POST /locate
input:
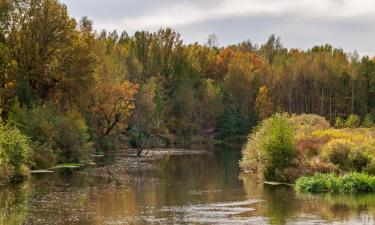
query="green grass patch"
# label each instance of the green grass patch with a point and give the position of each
(348, 183)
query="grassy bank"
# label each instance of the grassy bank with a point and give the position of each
(348, 183)
(306, 148)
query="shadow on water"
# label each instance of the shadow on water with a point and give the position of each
(204, 188)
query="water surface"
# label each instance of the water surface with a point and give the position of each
(205, 188)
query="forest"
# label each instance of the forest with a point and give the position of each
(68, 91)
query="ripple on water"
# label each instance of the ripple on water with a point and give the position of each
(221, 212)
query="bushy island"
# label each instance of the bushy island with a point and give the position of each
(306, 150)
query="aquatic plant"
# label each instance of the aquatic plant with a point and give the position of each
(348, 183)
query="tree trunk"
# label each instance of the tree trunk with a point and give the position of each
(139, 146)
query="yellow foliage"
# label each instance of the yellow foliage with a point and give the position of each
(354, 135)
(112, 104)
(263, 104)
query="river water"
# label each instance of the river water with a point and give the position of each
(199, 188)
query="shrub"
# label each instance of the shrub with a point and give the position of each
(14, 151)
(368, 121)
(270, 148)
(337, 151)
(359, 160)
(309, 146)
(370, 168)
(340, 122)
(51, 130)
(232, 123)
(317, 165)
(357, 182)
(349, 183)
(347, 155)
(352, 121)
(317, 183)
(307, 123)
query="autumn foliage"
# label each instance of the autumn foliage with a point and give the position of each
(120, 87)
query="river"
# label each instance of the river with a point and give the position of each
(197, 188)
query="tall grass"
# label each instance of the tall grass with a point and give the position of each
(348, 183)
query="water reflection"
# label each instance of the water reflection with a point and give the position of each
(284, 206)
(177, 189)
(14, 205)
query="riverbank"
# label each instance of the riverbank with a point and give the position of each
(285, 148)
(180, 188)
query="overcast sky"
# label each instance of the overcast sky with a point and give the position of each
(349, 24)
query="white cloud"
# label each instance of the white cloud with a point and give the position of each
(184, 13)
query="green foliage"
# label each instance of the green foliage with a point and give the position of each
(278, 146)
(337, 151)
(347, 155)
(107, 144)
(348, 183)
(353, 121)
(185, 92)
(317, 148)
(232, 123)
(317, 183)
(340, 122)
(53, 131)
(368, 121)
(14, 151)
(270, 148)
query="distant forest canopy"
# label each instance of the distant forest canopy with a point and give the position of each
(61, 81)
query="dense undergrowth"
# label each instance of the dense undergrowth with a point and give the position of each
(285, 148)
(14, 153)
(73, 91)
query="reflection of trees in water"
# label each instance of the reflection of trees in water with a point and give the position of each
(14, 205)
(277, 204)
(175, 181)
(336, 206)
(197, 172)
(47, 198)
(281, 204)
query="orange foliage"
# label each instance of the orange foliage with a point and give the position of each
(112, 104)
(227, 55)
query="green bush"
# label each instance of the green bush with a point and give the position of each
(232, 123)
(53, 131)
(368, 121)
(352, 121)
(318, 183)
(349, 183)
(359, 160)
(14, 151)
(370, 168)
(107, 144)
(347, 155)
(270, 148)
(340, 122)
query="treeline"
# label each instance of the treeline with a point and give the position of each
(70, 88)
